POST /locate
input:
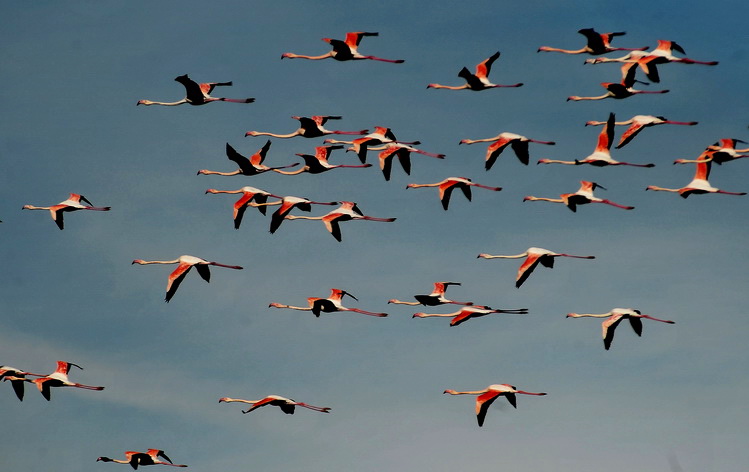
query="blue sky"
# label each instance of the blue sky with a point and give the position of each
(73, 74)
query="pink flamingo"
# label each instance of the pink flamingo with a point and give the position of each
(185, 264)
(197, 94)
(287, 405)
(437, 297)
(16, 377)
(720, 152)
(487, 396)
(58, 378)
(328, 305)
(601, 157)
(348, 211)
(247, 166)
(533, 256)
(664, 51)
(466, 313)
(318, 163)
(637, 123)
(381, 135)
(597, 44)
(447, 186)
(583, 196)
(698, 185)
(346, 50)
(614, 317)
(135, 458)
(286, 204)
(73, 203)
(624, 88)
(403, 152)
(518, 143)
(249, 194)
(311, 127)
(478, 81)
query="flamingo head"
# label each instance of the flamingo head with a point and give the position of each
(418, 315)
(104, 459)
(138, 261)
(572, 315)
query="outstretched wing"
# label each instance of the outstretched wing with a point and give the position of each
(176, 278)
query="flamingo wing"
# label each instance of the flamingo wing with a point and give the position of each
(258, 158)
(494, 150)
(608, 326)
(243, 163)
(483, 402)
(526, 268)
(636, 324)
(521, 150)
(484, 68)
(204, 271)
(176, 278)
(633, 130)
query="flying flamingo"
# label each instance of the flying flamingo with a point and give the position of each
(466, 313)
(287, 405)
(518, 143)
(601, 156)
(533, 256)
(58, 378)
(318, 163)
(16, 377)
(348, 211)
(624, 88)
(403, 152)
(344, 50)
(247, 166)
(287, 204)
(249, 194)
(637, 123)
(311, 127)
(664, 51)
(185, 264)
(487, 396)
(447, 186)
(698, 185)
(437, 297)
(583, 196)
(478, 81)
(614, 317)
(597, 44)
(380, 136)
(73, 203)
(197, 94)
(720, 152)
(135, 459)
(328, 305)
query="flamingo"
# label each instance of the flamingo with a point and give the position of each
(487, 396)
(318, 163)
(58, 378)
(583, 196)
(287, 204)
(134, 458)
(17, 378)
(597, 44)
(478, 81)
(624, 88)
(698, 185)
(249, 194)
(720, 152)
(344, 50)
(518, 143)
(637, 123)
(614, 317)
(247, 166)
(447, 186)
(533, 256)
(664, 51)
(328, 305)
(437, 297)
(197, 94)
(403, 153)
(348, 211)
(287, 405)
(311, 127)
(601, 157)
(185, 264)
(73, 203)
(380, 136)
(466, 313)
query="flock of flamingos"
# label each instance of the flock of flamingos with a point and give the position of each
(383, 141)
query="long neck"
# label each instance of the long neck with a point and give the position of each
(291, 307)
(565, 51)
(166, 104)
(552, 161)
(231, 400)
(294, 172)
(422, 185)
(302, 217)
(516, 256)
(588, 315)
(662, 189)
(338, 141)
(577, 99)
(32, 207)
(544, 199)
(291, 55)
(430, 315)
(472, 141)
(282, 136)
(399, 302)
(475, 392)
(175, 261)
(211, 190)
(213, 172)
(448, 87)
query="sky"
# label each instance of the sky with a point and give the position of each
(671, 400)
